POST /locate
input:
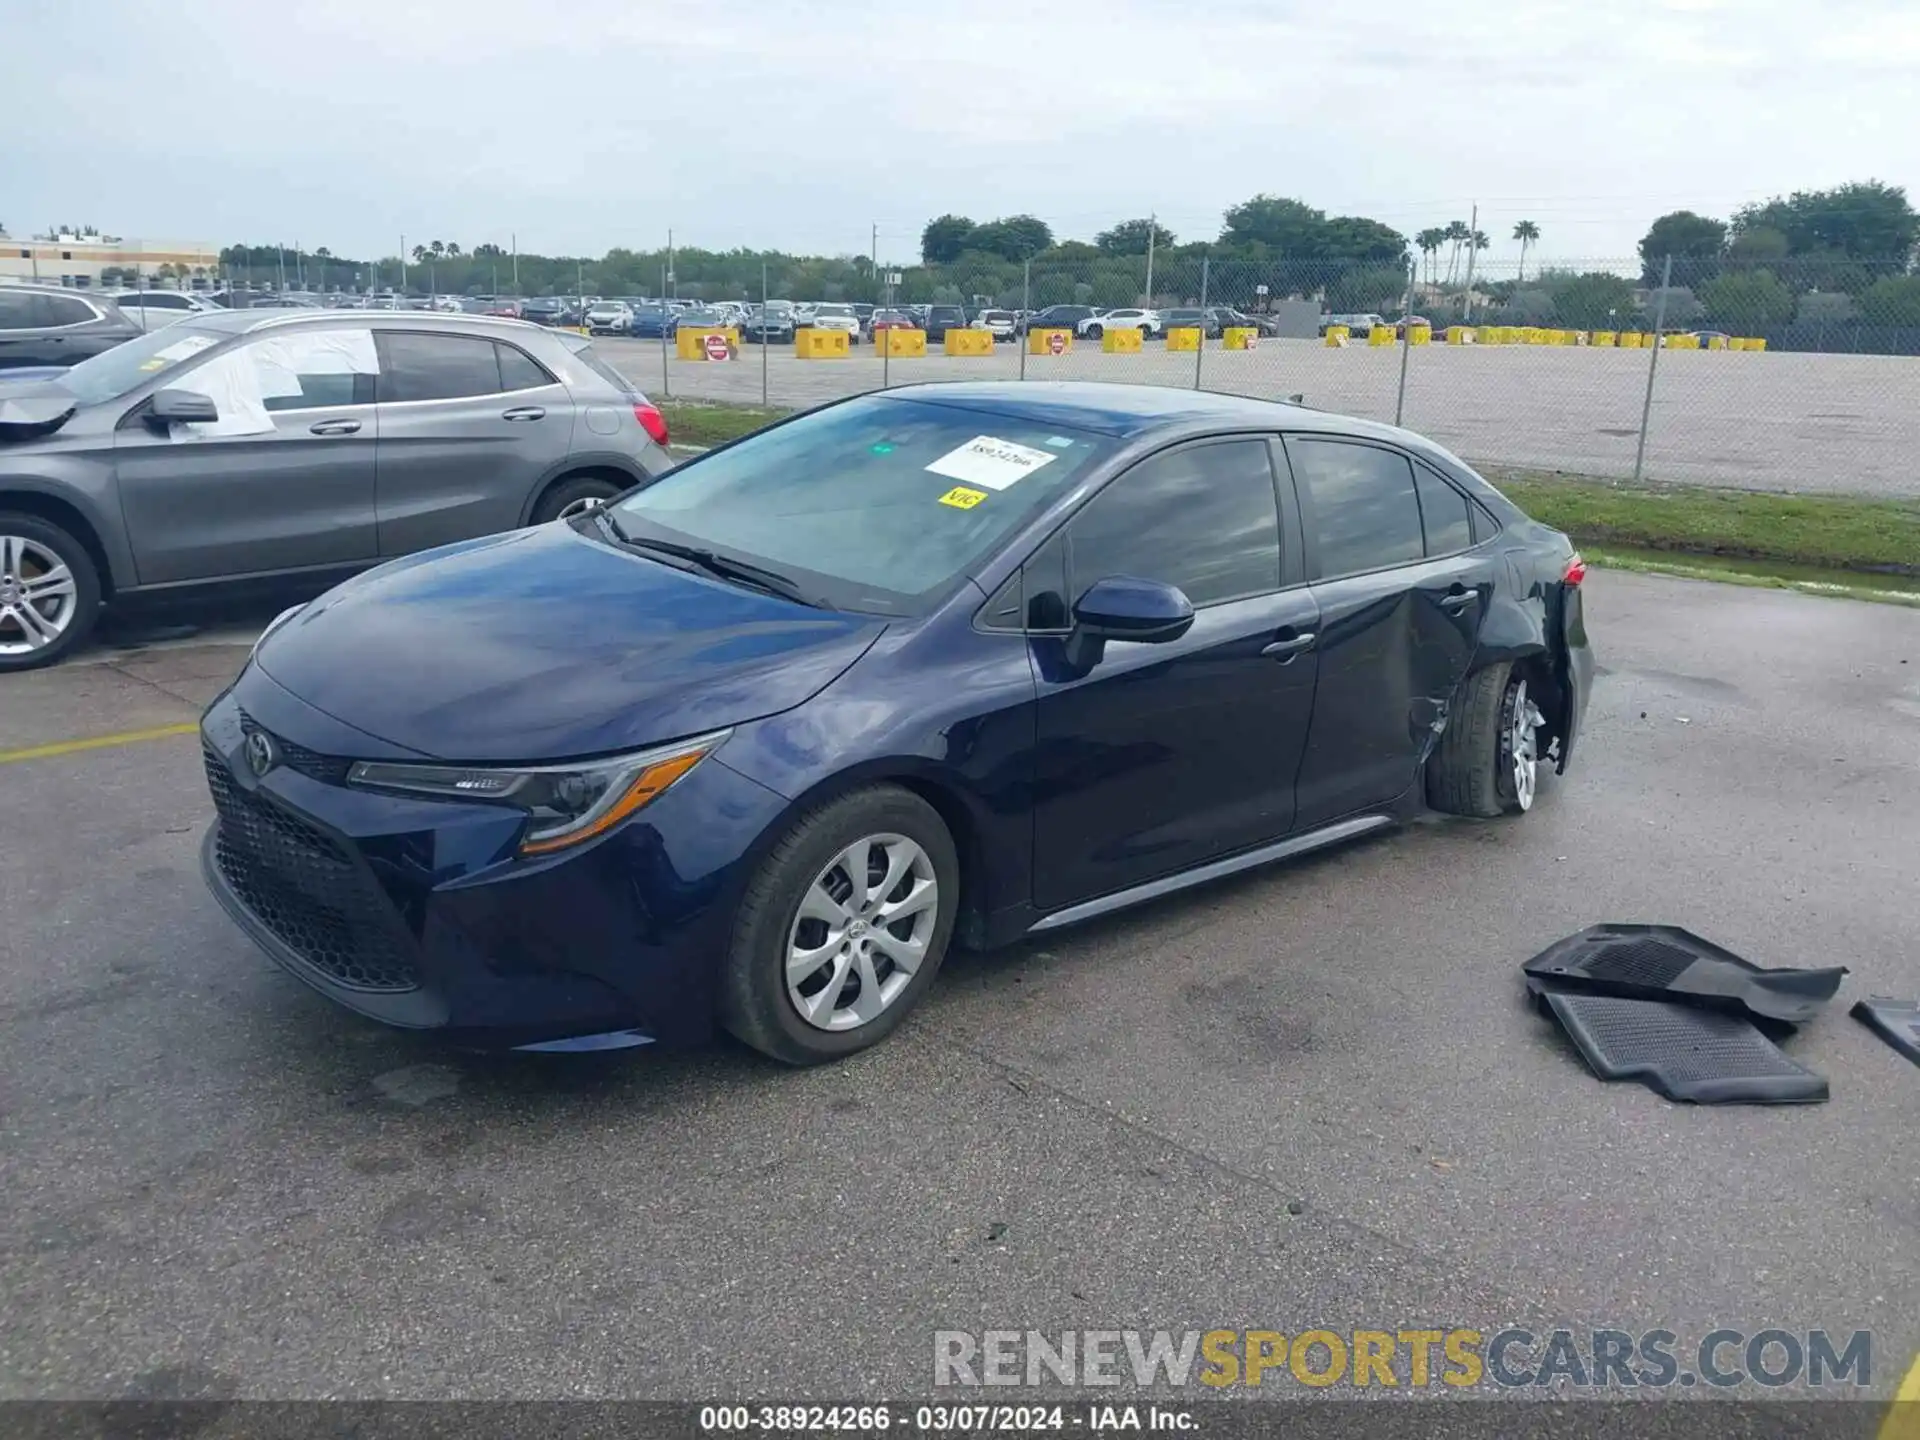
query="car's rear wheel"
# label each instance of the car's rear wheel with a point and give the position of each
(1488, 761)
(1094, 332)
(843, 927)
(49, 592)
(574, 495)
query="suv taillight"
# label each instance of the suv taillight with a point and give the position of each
(1576, 570)
(652, 421)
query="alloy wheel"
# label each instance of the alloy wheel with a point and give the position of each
(861, 932)
(1521, 746)
(579, 507)
(37, 596)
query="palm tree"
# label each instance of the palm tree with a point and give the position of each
(419, 253)
(1526, 232)
(439, 248)
(1430, 240)
(1456, 233)
(453, 250)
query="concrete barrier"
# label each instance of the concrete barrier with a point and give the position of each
(810, 343)
(901, 344)
(1493, 335)
(1748, 342)
(1382, 335)
(1123, 340)
(969, 342)
(1717, 342)
(1419, 335)
(1051, 341)
(1461, 335)
(691, 344)
(1682, 342)
(1604, 339)
(1185, 337)
(1239, 337)
(1631, 339)
(1337, 335)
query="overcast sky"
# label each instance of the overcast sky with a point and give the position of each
(585, 124)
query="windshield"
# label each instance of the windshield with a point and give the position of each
(112, 373)
(877, 504)
(846, 310)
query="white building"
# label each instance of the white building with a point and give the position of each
(80, 260)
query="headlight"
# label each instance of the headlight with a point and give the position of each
(565, 804)
(273, 625)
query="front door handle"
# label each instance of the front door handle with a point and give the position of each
(334, 427)
(524, 412)
(1457, 600)
(1285, 650)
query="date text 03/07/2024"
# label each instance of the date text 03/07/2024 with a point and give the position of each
(938, 1419)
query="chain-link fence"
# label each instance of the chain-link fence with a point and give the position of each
(1790, 374)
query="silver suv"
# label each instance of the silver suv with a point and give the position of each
(252, 444)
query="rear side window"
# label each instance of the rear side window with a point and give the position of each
(420, 366)
(1444, 514)
(1202, 518)
(53, 310)
(519, 371)
(16, 311)
(1366, 515)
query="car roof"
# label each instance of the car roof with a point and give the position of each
(243, 322)
(1129, 411)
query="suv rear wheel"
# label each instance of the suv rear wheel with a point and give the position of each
(574, 495)
(49, 592)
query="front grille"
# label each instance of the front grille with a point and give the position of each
(328, 769)
(308, 890)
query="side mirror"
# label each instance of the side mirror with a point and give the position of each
(181, 407)
(1122, 607)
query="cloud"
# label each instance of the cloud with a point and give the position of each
(607, 122)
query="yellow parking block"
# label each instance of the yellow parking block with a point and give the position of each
(1337, 335)
(1683, 342)
(1051, 341)
(1382, 335)
(1493, 335)
(1717, 342)
(969, 342)
(1419, 335)
(1122, 341)
(810, 343)
(1605, 339)
(696, 343)
(1184, 337)
(1239, 337)
(901, 344)
(1630, 339)
(1461, 335)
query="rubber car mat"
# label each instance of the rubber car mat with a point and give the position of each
(1895, 1021)
(1664, 962)
(1702, 1056)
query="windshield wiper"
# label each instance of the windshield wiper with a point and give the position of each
(739, 571)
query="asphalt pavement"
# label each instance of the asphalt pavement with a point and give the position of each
(1312, 1096)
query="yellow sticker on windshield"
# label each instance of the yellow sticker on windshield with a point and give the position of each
(961, 498)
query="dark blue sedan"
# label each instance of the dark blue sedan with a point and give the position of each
(755, 743)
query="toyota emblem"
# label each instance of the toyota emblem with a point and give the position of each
(261, 756)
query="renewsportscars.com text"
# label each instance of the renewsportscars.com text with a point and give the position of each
(1403, 1358)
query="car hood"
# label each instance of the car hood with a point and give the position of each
(31, 407)
(545, 644)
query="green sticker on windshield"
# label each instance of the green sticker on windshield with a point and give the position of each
(1060, 442)
(881, 448)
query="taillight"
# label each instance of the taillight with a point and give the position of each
(652, 421)
(1576, 570)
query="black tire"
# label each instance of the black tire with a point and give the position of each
(571, 490)
(1471, 770)
(86, 592)
(1095, 332)
(754, 1004)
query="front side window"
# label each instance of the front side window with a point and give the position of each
(1203, 518)
(57, 310)
(876, 504)
(416, 365)
(1365, 513)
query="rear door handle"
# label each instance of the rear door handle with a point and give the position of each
(1285, 650)
(524, 412)
(1456, 601)
(334, 427)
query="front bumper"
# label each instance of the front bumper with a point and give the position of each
(418, 913)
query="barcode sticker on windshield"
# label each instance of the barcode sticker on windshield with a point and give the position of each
(186, 347)
(992, 463)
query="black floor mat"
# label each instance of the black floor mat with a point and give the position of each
(1704, 1056)
(1895, 1021)
(1664, 962)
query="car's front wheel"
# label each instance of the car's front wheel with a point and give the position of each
(1094, 332)
(1488, 760)
(49, 592)
(843, 927)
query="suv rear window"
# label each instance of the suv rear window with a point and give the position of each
(606, 372)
